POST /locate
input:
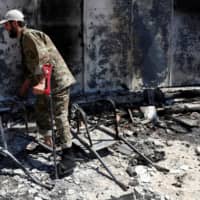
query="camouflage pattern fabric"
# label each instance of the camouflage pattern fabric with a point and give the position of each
(60, 107)
(37, 50)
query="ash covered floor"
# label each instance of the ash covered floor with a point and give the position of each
(172, 142)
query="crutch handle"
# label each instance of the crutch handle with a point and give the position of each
(47, 70)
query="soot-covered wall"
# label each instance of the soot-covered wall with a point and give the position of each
(151, 42)
(111, 44)
(62, 21)
(186, 43)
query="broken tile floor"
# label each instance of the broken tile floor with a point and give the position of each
(172, 142)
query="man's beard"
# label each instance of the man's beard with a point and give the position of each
(13, 33)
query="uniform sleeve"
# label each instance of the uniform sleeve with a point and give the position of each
(31, 55)
(35, 54)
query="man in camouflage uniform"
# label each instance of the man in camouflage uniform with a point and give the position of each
(38, 49)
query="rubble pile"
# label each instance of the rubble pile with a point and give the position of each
(171, 142)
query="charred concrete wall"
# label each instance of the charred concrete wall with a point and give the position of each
(111, 44)
(151, 43)
(186, 43)
(108, 39)
(127, 43)
(63, 22)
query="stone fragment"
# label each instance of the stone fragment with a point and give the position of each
(197, 150)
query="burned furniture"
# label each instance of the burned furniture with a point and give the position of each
(16, 112)
(90, 141)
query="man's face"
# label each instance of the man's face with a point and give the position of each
(11, 29)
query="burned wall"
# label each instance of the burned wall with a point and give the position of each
(108, 44)
(111, 44)
(62, 21)
(127, 43)
(186, 44)
(151, 42)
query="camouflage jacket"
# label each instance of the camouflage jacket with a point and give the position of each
(38, 49)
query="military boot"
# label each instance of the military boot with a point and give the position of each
(67, 163)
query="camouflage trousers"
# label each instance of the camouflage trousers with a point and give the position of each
(60, 111)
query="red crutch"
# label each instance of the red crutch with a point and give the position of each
(47, 70)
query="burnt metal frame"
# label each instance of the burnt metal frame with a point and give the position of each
(120, 137)
(146, 159)
(5, 152)
(81, 115)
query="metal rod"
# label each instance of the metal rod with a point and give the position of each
(115, 116)
(5, 152)
(122, 185)
(89, 147)
(83, 116)
(26, 120)
(3, 134)
(53, 135)
(159, 168)
(130, 115)
(111, 132)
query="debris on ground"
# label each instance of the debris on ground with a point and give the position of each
(172, 141)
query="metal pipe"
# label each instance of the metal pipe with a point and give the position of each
(83, 116)
(111, 132)
(5, 152)
(3, 134)
(53, 135)
(113, 106)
